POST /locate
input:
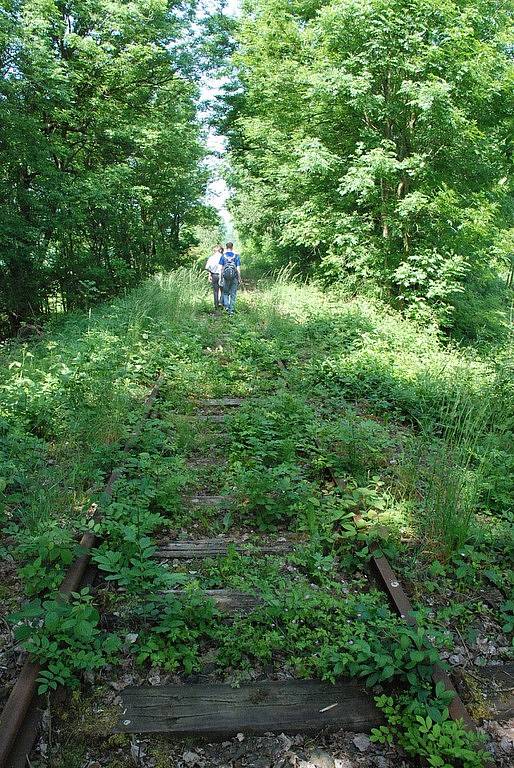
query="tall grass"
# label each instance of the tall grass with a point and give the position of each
(169, 295)
(77, 389)
(69, 398)
(449, 472)
(289, 273)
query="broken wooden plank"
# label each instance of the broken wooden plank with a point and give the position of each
(290, 706)
(229, 601)
(198, 548)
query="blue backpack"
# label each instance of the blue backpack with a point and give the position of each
(229, 269)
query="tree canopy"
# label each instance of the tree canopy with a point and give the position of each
(369, 141)
(100, 147)
(373, 138)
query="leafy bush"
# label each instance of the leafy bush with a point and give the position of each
(326, 635)
(49, 549)
(351, 444)
(269, 495)
(132, 566)
(271, 431)
(406, 185)
(422, 726)
(174, 630)
(64, 638)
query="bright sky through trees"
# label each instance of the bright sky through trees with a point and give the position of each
(217, 190)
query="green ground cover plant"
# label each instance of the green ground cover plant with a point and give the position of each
(370, 396)
(64, 637)
(77, 396)
(174, 630)
(432, 736)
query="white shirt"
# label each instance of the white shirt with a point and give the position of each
(213, 264)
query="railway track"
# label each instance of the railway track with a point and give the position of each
(213, 707)
(397, 597)
(21, 716)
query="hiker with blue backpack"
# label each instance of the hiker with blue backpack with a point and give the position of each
(230, 277)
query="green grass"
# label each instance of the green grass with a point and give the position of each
(420, 431)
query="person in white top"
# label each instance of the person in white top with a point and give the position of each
(214, 268)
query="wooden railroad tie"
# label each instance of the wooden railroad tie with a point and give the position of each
(207, 500)
(290, 706)
(223, 402)
(228, 601)
(217, 418)
(200, 548)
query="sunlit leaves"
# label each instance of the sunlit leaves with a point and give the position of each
(376, 112)
(100, 147)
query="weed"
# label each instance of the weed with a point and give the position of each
(64, 638)
(174, 629)
(422, 726)
(47, 551)
(402, 419)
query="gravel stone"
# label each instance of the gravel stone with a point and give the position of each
(318, 759)
(362, 742)
(191, 758)
(285, 742)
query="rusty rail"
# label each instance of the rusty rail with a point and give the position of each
(401, 604)
(21, 707)
(19, 719)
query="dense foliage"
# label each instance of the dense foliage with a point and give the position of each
(373, 139)
(100, 152)
(369, 143)
(420, 435)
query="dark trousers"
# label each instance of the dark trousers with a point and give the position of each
(216, 289)
(229, 295)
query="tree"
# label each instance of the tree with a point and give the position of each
(370, 137)
(100, 147)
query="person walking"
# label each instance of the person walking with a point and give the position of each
(214, 268)
(230, 263)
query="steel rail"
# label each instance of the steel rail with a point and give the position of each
(23, 695)
(18, 723)
(401, 604)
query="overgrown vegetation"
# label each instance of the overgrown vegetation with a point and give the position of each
(101, 177)
(410, 426)
(370, 142)
(369, 148)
